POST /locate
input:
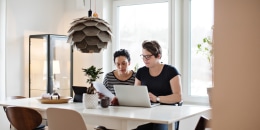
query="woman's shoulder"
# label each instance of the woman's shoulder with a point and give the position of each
(141, 72)
(144, 68)
(169, 66)
(170, 69)
(133, 73)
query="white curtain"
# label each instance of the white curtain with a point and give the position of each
(2, 48)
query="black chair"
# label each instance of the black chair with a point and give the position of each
(202, 124)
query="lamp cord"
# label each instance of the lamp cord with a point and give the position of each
(90, 11)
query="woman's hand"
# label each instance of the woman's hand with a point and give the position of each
(152, 97)
(100, 95)
(114, 102)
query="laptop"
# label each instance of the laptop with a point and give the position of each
(133, 96)
(78, 91)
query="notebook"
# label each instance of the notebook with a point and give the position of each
(134, 96)
(78, 91)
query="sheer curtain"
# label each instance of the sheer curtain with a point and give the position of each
(2, 48)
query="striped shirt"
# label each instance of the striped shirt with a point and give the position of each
(110, 80)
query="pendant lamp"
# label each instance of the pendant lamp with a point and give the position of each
(89, 34)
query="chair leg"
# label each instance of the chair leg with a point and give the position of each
(201, 125)
(5, 111)
(177, 125)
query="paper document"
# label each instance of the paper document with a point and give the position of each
(102, 89)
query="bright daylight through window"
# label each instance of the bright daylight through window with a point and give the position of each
(152, 20)
(139, 22)
(201, 28)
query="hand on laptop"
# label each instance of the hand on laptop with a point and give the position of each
(152, 97)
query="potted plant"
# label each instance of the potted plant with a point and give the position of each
(93, 74)
(90, 98)
(205, 48)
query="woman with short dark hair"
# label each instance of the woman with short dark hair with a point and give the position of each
(163, 81)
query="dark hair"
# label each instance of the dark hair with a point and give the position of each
(153, 47)
(122, 52)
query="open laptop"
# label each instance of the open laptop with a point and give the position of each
(78, 91)
(135, 96)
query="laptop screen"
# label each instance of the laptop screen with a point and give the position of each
(136, 96)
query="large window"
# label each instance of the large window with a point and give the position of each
(199, 13)
(179, 26)
(201, 24)
(138, 21)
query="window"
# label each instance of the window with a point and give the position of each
(201, 23)
(200, 15)
(138, 21)
(178, 26)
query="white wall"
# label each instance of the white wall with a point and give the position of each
(4, 122)
(236, 65)
(29, 17)
(2, 48)
(108, 63)
(24, 18)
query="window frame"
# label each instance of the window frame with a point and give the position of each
(187, 97)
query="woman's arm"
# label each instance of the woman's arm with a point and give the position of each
(137, 82)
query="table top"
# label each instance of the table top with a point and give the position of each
(159, 114)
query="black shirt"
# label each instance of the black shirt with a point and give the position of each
(158, 85)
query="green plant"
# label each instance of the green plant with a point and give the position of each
(93, 74)
(136, 67)
(205, 48)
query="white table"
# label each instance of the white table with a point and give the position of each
(118, 117)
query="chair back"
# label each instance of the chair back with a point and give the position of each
(64, 119)
(15, 97)
(202, 124)
(23, 118)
